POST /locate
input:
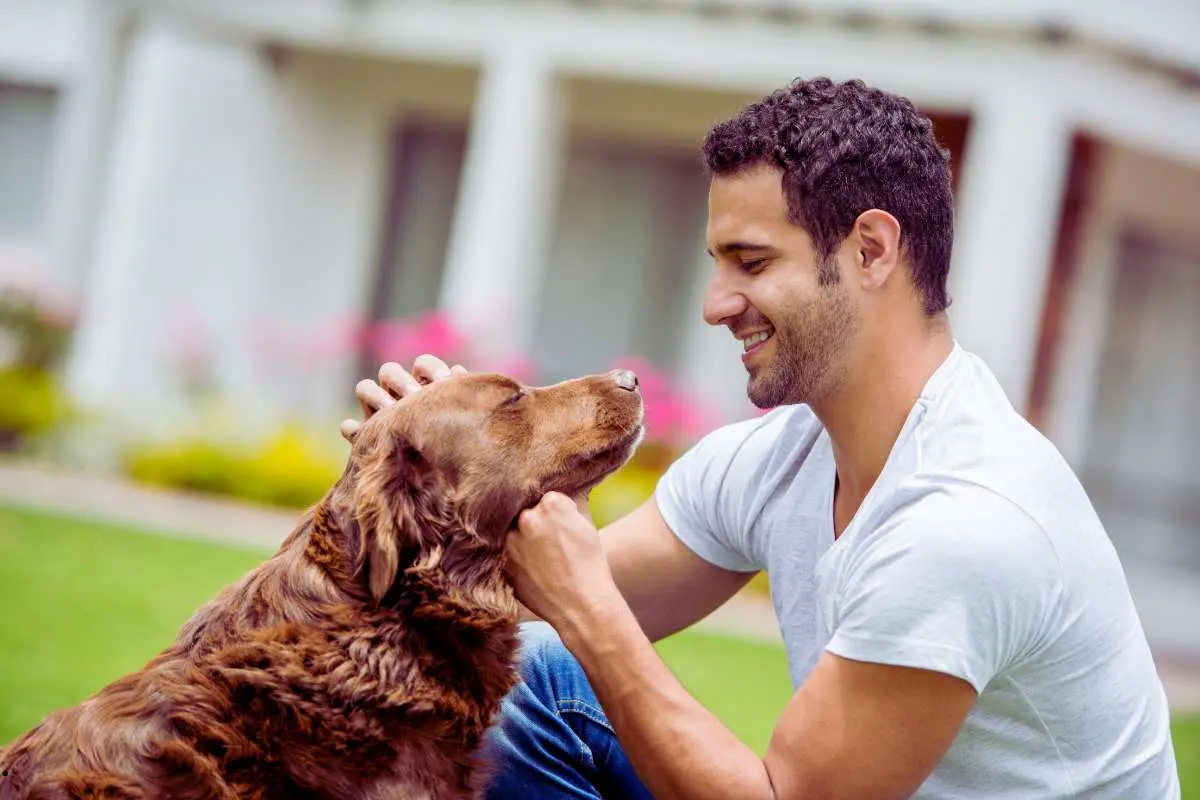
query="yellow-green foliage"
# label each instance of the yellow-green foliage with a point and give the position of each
(293, 469)
(290, 469)
(31, 402)
(622, 492)
(631, 486)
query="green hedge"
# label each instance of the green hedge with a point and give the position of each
(292, 468)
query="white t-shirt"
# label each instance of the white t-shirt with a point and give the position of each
(977, 554)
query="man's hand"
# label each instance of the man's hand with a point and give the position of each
(556, 563)
(395, 383)
(668, 586)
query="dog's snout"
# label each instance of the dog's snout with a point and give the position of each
(626, 379)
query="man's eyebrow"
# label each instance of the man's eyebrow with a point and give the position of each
(726, 248)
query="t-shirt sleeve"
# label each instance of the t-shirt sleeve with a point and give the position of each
(959, 582)
(701, 505)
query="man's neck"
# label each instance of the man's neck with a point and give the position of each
(866, 412)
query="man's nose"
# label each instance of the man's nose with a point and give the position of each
(722, 302)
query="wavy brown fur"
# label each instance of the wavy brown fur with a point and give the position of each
(368, 657)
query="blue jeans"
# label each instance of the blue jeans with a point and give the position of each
(552, 739)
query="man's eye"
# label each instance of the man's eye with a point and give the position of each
(754, 266)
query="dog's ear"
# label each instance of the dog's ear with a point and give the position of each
(494, 505)
(385, 494)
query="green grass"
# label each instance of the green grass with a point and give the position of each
(1185, 733)
(86, 603)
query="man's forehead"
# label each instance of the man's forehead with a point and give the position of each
(741, 230)
(760, 184)
(745, 208)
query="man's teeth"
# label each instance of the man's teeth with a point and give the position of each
(754, 339)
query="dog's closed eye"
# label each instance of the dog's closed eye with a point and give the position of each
(513, 400)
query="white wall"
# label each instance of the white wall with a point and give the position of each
(1159, 199)
(176, 220)
(1154, 195)
(40, 39)
(241, 212)
(324, 185)
(311, 136)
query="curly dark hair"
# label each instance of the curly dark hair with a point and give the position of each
(845, 148)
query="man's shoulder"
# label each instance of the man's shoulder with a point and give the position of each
(752, 455)
(960, 518)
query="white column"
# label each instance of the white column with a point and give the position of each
(499, 242)
(175, 243)
(1077, 363)
(81, 140)
(1015, 166)
(710, 366)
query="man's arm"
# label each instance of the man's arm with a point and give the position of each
(854, 729)
(665, 584)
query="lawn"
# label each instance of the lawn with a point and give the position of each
(86, 603)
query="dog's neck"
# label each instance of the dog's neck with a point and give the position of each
(455, 578)
(330, 547)
(460, 585)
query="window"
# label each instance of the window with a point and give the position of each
(427, 160)
(1142, 466)
(26, 138)
(622, 258)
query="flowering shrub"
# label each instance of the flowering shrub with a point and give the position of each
(672, 418)
(392, 340)
(34, 337)
(34, 332)
(290, 470)
(434, 332)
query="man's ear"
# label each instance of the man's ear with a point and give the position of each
(876, 236)
(385, 510)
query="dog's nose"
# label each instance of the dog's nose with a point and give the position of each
(626, 379)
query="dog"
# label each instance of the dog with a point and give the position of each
(369, 656)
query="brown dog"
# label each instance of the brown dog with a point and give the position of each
(366, 658)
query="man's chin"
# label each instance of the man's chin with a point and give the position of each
(763, 397)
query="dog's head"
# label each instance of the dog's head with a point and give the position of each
(438, 479)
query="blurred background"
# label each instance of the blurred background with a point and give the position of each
(217, 215)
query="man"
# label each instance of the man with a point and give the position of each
(956, 620)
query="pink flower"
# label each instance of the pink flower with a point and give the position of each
(516, 366)
(339, 338)
(671, 416)
(404, 340)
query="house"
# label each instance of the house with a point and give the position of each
(229, 186)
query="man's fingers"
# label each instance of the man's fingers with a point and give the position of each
(395, 379)
(527, 518)
(557, 501)
(428, 369)
(372, 396)
(350, 429)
